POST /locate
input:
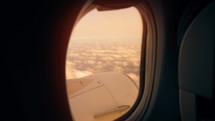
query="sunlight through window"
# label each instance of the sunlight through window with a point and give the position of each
(103, 64)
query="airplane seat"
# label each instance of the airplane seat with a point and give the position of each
(191, 10)
(196, 67)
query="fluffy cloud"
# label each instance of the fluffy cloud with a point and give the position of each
(87, 58)
(91, 62)
(107, 58)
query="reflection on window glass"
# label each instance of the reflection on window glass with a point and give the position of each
(103, 64)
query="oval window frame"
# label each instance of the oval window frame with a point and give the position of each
(147, 56)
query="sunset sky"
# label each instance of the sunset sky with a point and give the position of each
(122, 24)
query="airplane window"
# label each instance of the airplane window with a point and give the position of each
(103, 64)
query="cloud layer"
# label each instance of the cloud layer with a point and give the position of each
(85, 58)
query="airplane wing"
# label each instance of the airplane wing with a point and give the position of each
(101, 96)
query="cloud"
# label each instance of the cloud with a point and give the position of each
(118, 68)
(78, 74)
(92, 58)
(72, 73)
(117, 63)
(88, 58)
(125, 64)
(91, 62)
(107, 58)
(116, 57)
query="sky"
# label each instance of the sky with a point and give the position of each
(122, 24)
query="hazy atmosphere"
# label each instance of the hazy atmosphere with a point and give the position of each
(106, 41)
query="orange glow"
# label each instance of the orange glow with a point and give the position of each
(120, 25)
(100, 33)
(103, 64)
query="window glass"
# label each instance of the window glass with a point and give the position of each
(103, 64)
